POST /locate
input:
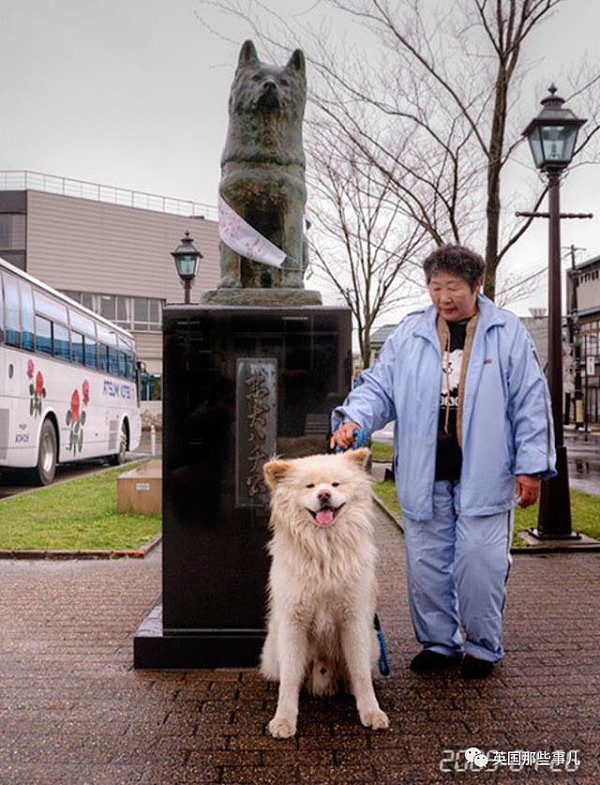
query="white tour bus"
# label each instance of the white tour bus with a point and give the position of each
(68, 378)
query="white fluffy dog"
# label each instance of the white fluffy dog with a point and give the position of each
(322, 587)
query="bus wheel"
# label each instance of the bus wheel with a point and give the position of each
(119, 458)
(44, 472)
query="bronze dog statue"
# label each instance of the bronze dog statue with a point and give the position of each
(262, 167)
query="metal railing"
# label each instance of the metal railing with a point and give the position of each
(21, 180)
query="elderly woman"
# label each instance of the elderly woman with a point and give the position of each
(473, 437)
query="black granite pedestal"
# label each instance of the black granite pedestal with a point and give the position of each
(241, 384)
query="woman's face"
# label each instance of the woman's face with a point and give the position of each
(452, 296)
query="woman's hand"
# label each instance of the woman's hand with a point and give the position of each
(344, 436)
(527, 489)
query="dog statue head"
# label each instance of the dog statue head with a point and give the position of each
(260, 87)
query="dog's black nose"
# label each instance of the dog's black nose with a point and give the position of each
(270, 86)
(324, 496)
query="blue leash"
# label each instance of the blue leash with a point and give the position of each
(384, 660)
(360, 439)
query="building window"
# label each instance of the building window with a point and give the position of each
(141, 314)
(12, 232)
(108, 307)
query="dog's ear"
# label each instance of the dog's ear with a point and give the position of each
(362, 456)
(248, 55)
(297, 62)
(275, 471)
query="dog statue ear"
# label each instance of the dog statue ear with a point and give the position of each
(297, 61)
(248, 55)
(275, 471)
(362, 456)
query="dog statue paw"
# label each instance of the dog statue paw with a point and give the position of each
(376, 719)
(282, 727)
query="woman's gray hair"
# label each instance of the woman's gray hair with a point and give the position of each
(456, 260)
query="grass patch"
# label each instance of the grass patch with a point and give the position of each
(585, 515)
(585, 512)
(76, 515)
(382, 451)
(386, 490)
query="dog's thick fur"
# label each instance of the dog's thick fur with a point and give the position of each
(322, 587)
(262, 166)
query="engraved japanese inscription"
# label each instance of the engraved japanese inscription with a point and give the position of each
(256, 419)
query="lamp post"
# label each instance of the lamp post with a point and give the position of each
(552, 136)
(187, 258)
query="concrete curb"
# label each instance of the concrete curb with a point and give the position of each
(391, 515)
(137, 553)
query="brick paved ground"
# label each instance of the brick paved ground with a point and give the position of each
(72, 711)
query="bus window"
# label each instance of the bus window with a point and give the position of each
(102, 357)
(125, 344)
(107, 336)
(13, 322)
(151, 386)
(90, 352)
(61, 342)
(26, 315)
(43, 335)
(81, 323)
(50, 308)
(77, 347)
(113, 361)
(130, 366)
(122, 364)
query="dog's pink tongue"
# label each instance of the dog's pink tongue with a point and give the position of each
(325, 517)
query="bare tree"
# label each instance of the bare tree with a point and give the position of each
(360, 241)
(435, 109)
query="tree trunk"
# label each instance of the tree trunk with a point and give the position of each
(493, 185)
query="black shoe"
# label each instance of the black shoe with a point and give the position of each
(427, 661)
(474, 668)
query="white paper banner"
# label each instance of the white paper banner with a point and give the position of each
(245, 239)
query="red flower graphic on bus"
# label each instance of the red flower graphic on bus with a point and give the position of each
(37, 391)
(75, 406)
(76, 416)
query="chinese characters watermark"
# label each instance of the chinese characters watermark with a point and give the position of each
(476, 759)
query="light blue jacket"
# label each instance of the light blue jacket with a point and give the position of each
(507, 417)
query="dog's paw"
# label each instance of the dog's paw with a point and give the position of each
(282, 727)
(376, 719)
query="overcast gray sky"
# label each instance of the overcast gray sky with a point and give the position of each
(133, 93)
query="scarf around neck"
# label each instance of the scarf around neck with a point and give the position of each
(443, 332)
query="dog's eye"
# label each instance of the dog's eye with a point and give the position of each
(283, 82)
(334, 484)
(310, 485)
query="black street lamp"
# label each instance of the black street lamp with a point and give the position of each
(187, 258)
(552, 136)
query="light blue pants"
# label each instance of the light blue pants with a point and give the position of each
(457, 567)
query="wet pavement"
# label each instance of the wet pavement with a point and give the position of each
(73, 712)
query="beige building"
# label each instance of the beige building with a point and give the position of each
(110, 249)
(587, 301)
